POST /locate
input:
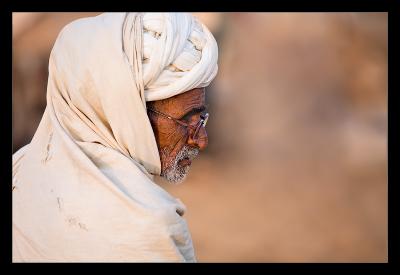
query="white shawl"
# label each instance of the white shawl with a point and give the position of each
(82, 188)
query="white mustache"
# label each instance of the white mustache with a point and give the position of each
(187, 152)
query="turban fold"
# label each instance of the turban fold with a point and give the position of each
(172, 52)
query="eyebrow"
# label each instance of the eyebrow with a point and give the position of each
(194, 111)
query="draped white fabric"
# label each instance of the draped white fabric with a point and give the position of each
(83, 187)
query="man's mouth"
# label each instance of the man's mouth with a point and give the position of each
(184, 162)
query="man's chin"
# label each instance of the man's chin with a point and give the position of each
(177, 175)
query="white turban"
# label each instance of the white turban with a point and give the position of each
(83, 187)
(178, 53)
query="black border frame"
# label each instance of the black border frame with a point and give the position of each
(390, 6)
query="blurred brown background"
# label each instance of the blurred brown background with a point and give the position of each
(296, 169)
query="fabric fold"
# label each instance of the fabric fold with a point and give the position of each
(83, 187)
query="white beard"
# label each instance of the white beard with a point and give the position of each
(175, 173)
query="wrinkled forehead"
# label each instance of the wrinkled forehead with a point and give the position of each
(180, 104)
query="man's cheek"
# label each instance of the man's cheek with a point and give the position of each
(172, 136)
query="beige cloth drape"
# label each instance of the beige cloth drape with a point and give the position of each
(83, 187)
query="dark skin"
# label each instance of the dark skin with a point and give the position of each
(172, 137)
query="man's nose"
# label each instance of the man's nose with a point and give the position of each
(201, 141)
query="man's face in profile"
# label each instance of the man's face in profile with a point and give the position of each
(178, 127)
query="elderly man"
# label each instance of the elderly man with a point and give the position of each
(125, 102)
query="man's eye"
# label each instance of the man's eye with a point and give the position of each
(191, 118)
(187, 118)
(194, 115)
